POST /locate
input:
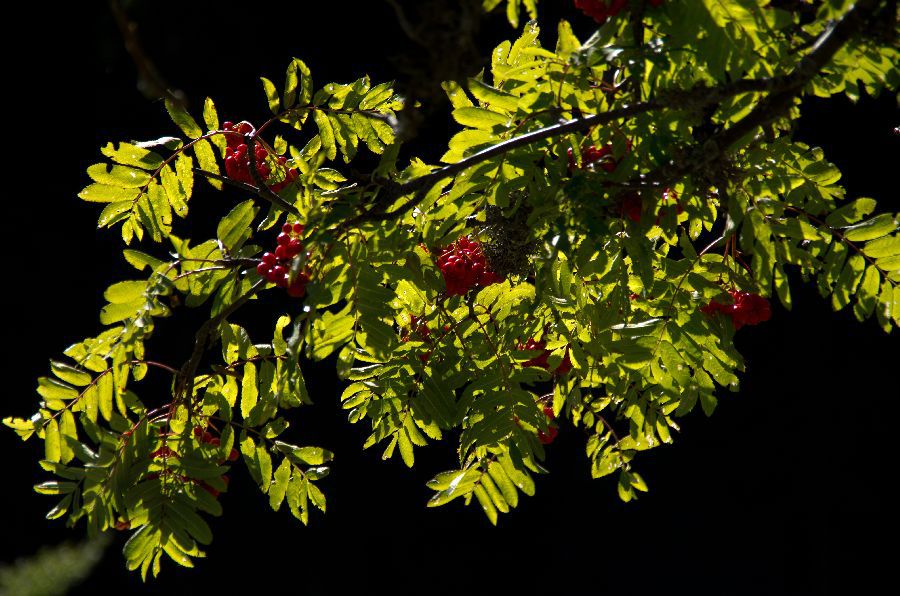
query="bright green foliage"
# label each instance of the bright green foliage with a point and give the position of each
(696, 114)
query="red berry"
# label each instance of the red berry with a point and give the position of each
(287, 228)
(630, 206)
(233, 455)
(540, 360)
(296, 290)
(263, 269)
(564, 366)
(298, 228)
(269, 259)
(548, 437)
(294, 248)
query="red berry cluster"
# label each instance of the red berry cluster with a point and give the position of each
(630, 205)
(207, 438)
(600, 10)
(276, 267)
(418, 326)
(592, 156)
(541, 360)
(237, 162)
(552, 430)
(747, 309)
(464, 267)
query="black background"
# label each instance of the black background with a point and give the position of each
(784, 491)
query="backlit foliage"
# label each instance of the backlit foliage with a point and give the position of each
(619, 184)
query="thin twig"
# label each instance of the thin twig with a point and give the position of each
(269, 196)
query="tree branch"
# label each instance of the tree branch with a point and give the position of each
(269, 196)
(782, 91)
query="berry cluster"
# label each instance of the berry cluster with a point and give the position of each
(541, 360)
(552, 430)
(592, 157)
(630, 205)
(237, 161)
(600, 10)
(418, 326)
(276, 267)
(208, 439)
(747, 309)
(464, 267)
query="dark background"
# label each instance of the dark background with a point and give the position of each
(784, 491)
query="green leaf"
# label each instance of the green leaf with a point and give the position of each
(297, 85)
(279, 484)
(118, 176)
(132, 155)
(206, 159)
(850, 213)
(68, 432)
(184, 120)
(70, 374)
(486, 504)
(125, 291)
(102, 193)
(311, 456)
(140, 260)
(210, 115)
(493, 97)
(52, 449)
(326, 133)
(271, 95)
(480, 118)
(878, 226)
(235, 228)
